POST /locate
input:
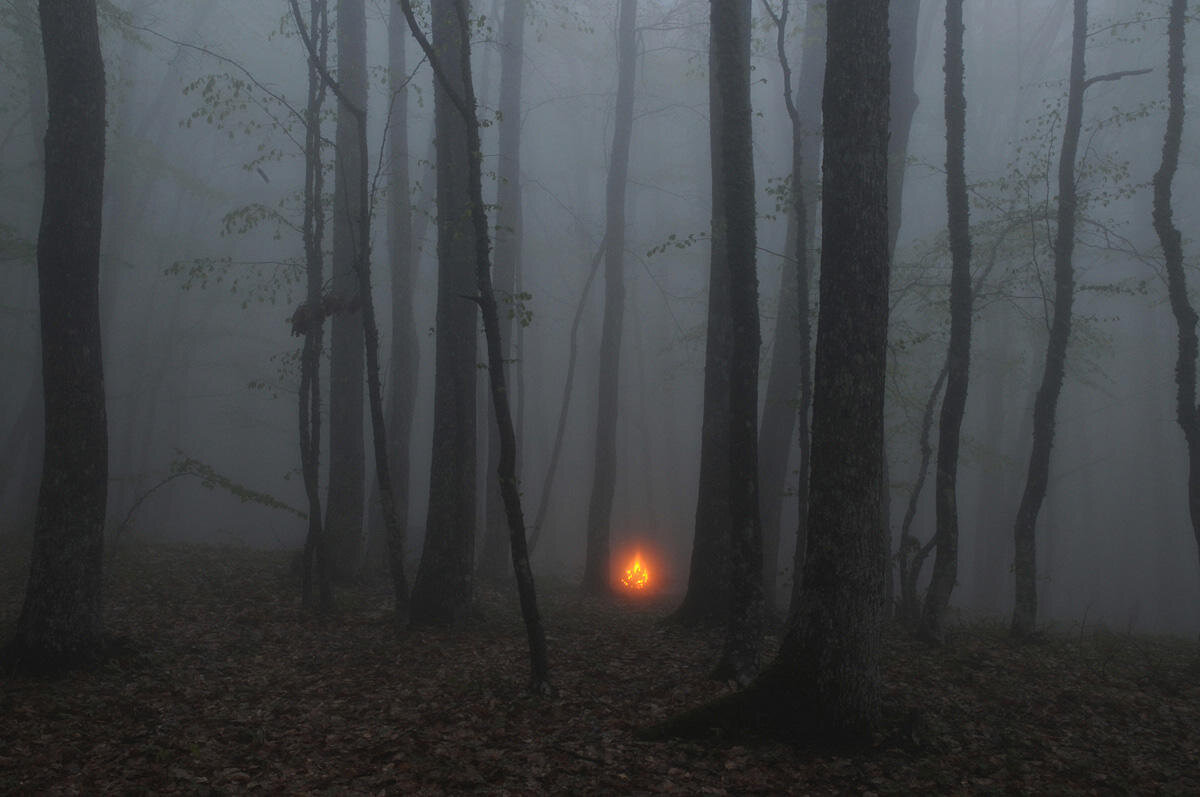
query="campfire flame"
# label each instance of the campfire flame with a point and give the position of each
(636, 576)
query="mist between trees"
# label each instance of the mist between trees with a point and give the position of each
(597, 176)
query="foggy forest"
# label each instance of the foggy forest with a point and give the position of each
(621, 397)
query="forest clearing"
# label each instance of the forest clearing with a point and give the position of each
(222, 684)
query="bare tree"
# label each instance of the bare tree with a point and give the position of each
(958, 358)
(461, 95)
(444, 585)
(508, 261)
(1045, 405)
(1187, 413)
(729, 57)
(825, 680)
(362, 269)
(60, 621)
(788, 399)
(309, 319)
(347, 457)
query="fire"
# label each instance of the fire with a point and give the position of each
(636, 576)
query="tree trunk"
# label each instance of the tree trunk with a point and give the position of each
(1187, 413)
(958, 358)
(604, 476)
(825, 681)
(316, 556)
(444, 590)
(729, 57)
(362, 270)
(706, 602)
(405, 352)
(902, 102)
(507, 263)
(1045, 405)
(462, 97)
(791, 358)
(347, 458)
(60, 621)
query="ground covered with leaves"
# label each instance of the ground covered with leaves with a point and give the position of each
(223, 685)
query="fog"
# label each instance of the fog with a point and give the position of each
(202, 266)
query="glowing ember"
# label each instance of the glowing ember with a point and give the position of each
(636, 576)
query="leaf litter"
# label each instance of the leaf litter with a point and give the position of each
(223, 685)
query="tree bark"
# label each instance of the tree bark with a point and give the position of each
(1045, 405)
(347, 457)
(1187, 413)
(825, 682)
(462, 97)
(507, 263)
(60, 621)
(791, 359)
(316, 556)
(730, 65)
(707, 600)
(405, 360)
(596, 574)
(902, 103)
(958, 358)
(444, 585)
(362, 270)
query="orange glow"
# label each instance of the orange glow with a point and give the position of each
(636, 576)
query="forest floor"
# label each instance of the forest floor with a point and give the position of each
(223, 685)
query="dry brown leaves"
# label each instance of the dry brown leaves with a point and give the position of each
(228, 687)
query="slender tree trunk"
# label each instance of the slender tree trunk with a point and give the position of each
(1187, 413)
(706, 602)
(604, 477)
(730, 64)
(508, 263)
(902, 102)
(1045, 405)
(60, 621)
(316, 556)
(402, 256)
(791, 359)
(347, 458)
(958, 358)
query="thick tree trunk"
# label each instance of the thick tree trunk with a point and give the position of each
(958, 358)
(825, 681)
(507, 263)
(444, 590)
(1045, 405)
(729, 56)
(831, 650)
(60, 621)
(604, 476)
(1187, 413)
(347, 458)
